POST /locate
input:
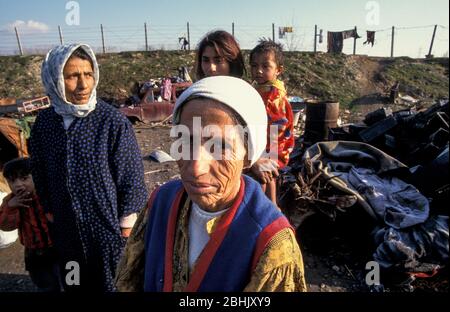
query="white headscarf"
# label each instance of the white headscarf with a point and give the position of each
(53, 80)
(241, 97)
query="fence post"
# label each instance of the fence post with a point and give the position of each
(103, 39)
(273, 32)
(354, 41)
(188, 37)
(146, 40)
(315, 38)
(392, 41)
(432, 41)
(61, 40)
(18, 41)
(232, 29)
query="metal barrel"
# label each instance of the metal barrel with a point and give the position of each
(320, 117)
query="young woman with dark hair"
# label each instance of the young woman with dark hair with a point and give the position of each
(219, 54)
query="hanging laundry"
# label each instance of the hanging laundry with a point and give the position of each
(281, 33)
(283, 30)
(336, 39)
(350, 34)
(370, 38)
(321, 36)
(335, 42)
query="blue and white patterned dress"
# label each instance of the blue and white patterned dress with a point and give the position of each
(89, 177)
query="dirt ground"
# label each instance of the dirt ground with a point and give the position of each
(335, 253)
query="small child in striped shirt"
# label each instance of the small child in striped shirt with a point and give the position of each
(22, 210)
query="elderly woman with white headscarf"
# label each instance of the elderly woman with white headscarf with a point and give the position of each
(87, 169)
(214, 229)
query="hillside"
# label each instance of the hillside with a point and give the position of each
(348, 79)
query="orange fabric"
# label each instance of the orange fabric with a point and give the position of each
(279, 113)
(11, 131)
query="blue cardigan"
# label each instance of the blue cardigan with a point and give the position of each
(234, 247)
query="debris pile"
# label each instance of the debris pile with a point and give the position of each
(162, 88)
(16, 119)
(153, 100)
(410, 136)
(395, 168)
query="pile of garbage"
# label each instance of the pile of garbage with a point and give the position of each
(410, 136)
(395, 168)
(16, 119)
(164, 84)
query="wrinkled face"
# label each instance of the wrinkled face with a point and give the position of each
(21, 185)
(78, 80)
(264, 67)
(212, 183)
(213, 64)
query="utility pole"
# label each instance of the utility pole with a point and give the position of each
(103, 38)
(273, 32)
(392, 41)
(61, 40)
(315, 38)
(146, 40)
(232, 29)
(432, 41)
(18, 41)
(354, 41)
(188, 37)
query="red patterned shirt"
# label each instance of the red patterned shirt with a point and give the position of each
(31, 222)
(279, 113)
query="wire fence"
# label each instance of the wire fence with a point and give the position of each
(408, 41)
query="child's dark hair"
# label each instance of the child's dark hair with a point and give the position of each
(225, 46)
(17, 168)
(267, 45)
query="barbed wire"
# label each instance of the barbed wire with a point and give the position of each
(126, 37)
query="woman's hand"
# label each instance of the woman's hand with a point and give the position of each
(265, 170)
(127, 223)
(126, 232)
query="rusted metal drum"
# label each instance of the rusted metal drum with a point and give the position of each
(320, 117)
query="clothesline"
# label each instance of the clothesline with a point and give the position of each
(403, 28)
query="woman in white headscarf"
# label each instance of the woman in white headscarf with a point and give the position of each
(214, 229)
(87, 169)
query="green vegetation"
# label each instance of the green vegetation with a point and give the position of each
(321, 76)
(427, 78)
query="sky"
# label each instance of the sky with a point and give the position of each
(123, 23)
